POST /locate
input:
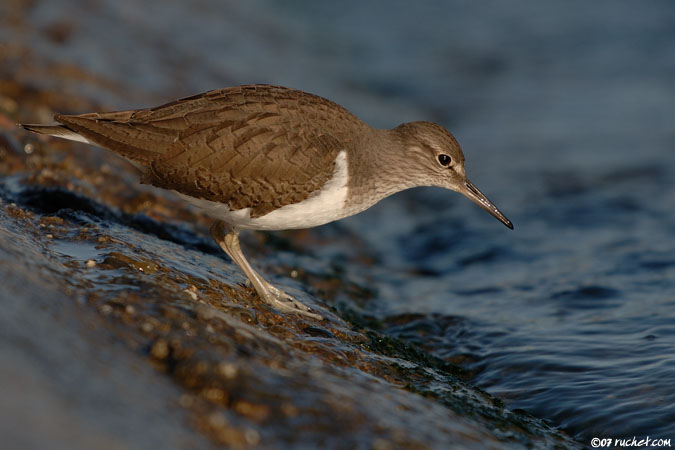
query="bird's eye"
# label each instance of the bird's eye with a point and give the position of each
(444, 159)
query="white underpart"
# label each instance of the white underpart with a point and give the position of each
(325, 205)
(76, 137)
(72, 136)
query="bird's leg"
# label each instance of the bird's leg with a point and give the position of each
(227, 237)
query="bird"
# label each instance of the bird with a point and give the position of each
(266, 157)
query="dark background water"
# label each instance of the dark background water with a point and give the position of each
(566, 113)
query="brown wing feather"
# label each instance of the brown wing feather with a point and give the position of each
(262, 167)
(257, 146)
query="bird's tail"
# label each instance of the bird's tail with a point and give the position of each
(57, 130)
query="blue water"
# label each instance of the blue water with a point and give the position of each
(567, 117)
(571, 132)
(566, 113)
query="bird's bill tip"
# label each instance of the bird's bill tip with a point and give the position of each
(475, 195)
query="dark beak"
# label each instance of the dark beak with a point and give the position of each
(472, 192)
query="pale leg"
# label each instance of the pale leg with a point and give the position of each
(227, 237)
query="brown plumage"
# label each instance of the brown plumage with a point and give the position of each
(269, 157)
(257, 146)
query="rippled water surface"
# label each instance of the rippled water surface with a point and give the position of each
(566, 113)
(566, 119)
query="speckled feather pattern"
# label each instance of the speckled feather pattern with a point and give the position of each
(257, 146)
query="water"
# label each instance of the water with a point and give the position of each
(566, 120)
(571, 316)
(565, 112)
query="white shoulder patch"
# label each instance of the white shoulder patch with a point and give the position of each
(325, 205)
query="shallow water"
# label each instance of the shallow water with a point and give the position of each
(570, 133)
(565, 112)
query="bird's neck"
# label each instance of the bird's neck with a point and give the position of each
(380, 171)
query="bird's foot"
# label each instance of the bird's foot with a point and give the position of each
(287, 303)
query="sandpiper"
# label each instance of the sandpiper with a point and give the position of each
(264, 157)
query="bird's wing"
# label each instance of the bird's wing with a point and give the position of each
(258, 148)
(252, 163)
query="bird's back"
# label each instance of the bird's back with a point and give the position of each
(256, 146)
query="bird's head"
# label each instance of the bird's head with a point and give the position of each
(439, 161)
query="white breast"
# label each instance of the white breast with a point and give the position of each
(323, 206)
